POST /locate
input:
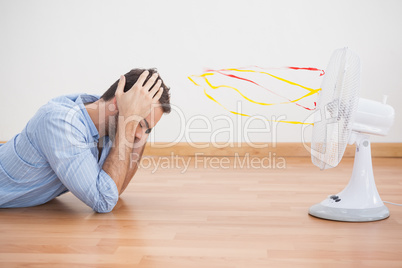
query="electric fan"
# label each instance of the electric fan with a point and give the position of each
(341, 118)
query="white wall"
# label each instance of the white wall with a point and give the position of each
(51, 47)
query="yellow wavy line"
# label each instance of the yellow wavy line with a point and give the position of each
(312, 91)
(276, 77)
(204, 76)
(233, 112)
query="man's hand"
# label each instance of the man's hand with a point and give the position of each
(134, 105)
(139, 99)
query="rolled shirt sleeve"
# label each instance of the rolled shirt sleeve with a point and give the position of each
(63, 139)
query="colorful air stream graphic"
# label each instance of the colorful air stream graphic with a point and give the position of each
(242, 74)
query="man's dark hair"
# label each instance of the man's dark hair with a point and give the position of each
(132, 77)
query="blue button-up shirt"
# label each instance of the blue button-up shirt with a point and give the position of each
(55, 153)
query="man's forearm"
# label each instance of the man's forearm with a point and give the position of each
(117, 164)
(135, 159)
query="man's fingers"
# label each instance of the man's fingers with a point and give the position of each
(155, 88)
(141, 79)
(158, 95)
(120, 85)
(151, 81)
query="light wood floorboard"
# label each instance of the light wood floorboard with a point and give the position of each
(210, 217)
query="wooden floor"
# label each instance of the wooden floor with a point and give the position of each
(210, 217)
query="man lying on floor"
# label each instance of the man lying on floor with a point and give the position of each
(84, 144)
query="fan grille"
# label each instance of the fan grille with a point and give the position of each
(337, 103)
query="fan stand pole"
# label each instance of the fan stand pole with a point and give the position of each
(359, 201)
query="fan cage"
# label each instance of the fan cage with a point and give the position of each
(337, 104)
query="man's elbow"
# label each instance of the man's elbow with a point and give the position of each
(105, 205)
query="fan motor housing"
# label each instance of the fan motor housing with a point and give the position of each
(373, 117)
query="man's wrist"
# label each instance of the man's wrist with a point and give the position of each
(127, 126)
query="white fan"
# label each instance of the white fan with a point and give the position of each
(341, 118)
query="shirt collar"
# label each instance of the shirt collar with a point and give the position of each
(81, 100)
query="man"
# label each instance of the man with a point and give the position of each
(83, 144)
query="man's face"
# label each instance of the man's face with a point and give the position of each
(144, 127)
(147, 124)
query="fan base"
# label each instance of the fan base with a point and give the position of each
(348, 214)
(359, 201)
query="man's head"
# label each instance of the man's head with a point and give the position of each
(153, 118)
(132, 77)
